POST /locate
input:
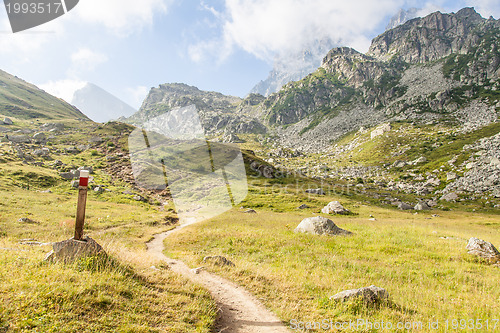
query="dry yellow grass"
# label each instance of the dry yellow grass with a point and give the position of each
(420, 259)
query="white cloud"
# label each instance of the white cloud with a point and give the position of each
(137, 95)
(265, 28)
(122, 17)
(486, 8)
(430, 8)
(64, 89)
(86, 60)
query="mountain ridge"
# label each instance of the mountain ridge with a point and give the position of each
(23, 100)
(393, 81)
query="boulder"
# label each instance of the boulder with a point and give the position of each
(88, 168)
(470, 165)
(380, 130)
(422, 206)
(27, 220)
(19, 138)
(72, 150)
(318, 191)
(231, 138)
(431, 203)
(47, 127)
(250, 211)
(335, 207)
(44, 152)
(218, 260)
(399, 164)
(98, 189)
(83, 147)
(266, 171)
(452, 196)
(483, 249)
(369, 295)
(432, 182)
(70, 250)
(451, 176)
(404, 206)
(139, 198)
(39, 137)
(419, 160)
(304, 206)
(38, 152)
(68, 175)
(320, 225)
(7, 121)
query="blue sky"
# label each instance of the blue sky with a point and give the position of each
(129, 46)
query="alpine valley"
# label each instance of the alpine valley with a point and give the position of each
(418, 113)
(373, 196)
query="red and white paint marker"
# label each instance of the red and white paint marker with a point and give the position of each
(82, 202)
(84, 178)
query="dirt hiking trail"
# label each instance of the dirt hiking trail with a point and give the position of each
(239, 311)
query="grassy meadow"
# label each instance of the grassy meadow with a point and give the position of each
(130, 292)
(420, 259)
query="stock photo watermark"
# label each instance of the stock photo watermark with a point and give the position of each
(205, 178)
(27, 14)
(463, 325)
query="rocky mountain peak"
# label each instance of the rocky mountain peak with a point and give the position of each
(351, 67)
(430, 38)
(469, 13)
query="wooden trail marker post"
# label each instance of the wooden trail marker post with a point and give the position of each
(82, 202)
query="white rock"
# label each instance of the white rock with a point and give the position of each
(319, 225)
(335, 207)
(370, 295)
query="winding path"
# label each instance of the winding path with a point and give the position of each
(239, 311)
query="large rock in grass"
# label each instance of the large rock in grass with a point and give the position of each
(369, 295)
(483, 249)
(422, 206)
(19, 138)
(70, 250)
(335, 207)
(404, 206)
(320, 225)
(449, 197)
(318, 191)
(39, 137)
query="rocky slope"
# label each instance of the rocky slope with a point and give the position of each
(433, 37)
(428, 69)
(440, 72)
(219, 114)
(443, 67)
